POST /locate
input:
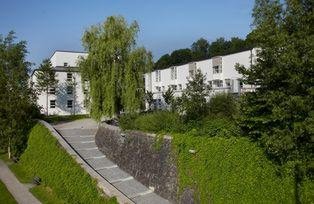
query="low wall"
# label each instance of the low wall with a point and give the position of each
(147, 160)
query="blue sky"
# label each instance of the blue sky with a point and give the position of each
(164, 25)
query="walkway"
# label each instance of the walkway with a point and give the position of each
(18, 190)
(80, 135)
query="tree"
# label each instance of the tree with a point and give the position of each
(168, 96)
(193, 99)
(17, 101)
(46, 78)
(223, 104)
(163, 62)
(200, 49)
(279, 114)
(181, 56)
(114, 67)
(149, 99)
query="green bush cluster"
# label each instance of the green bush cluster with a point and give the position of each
(158, 121)
(223, 104)
(45, 158)
(234, 170)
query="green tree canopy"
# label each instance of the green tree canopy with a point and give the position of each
(17, 100)
(193, 100)
(280, 113)
(200, 49)
(114, 67)
(181, 56)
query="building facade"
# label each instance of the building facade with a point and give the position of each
(219, 71)
(68, 97)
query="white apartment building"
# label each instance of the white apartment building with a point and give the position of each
(68, 97)
(219, 71)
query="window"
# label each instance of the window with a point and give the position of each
(163, 88)
(85, 90)
(69, 76)
(65, 64)
(158, 88)
(217, 69)
(158, 75)
(52, 103)
(210, 83)
(180, 87)
(174, 87)
(52, 90)
(218, 83)
(228, 82)
(69, 89)
(173, 73)
(192, 70)
(70, 103)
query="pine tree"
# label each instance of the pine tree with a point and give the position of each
(280, 113)
(45, 79)
(193, 99)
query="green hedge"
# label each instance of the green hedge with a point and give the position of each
(234, 170)
(45, 158)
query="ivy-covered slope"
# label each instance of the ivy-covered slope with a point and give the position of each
(233, 170)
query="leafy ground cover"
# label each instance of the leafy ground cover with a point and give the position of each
(226, 168)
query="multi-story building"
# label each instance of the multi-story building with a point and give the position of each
(68, 97)
(219, 71)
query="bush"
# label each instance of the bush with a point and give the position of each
(45, 158)
(158, 121)
(220, 127)
(223, 104)
(231, 170)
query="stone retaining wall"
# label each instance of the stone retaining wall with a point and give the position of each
(138, 154)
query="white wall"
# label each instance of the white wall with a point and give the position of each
(61, 96)
(72, 58)
(206, 67)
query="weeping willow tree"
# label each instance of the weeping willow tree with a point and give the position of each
(114, 67)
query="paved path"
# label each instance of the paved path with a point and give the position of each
(18, 190)
(80, 135)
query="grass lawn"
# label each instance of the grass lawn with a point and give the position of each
(46, 195)
(63, 180)
(5, 195)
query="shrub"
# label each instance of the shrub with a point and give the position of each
(223, 104)
(220, 127)
(157, 121)
(45, 158)
(126, 121)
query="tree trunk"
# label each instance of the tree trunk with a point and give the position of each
(9, 148)
(47, 101)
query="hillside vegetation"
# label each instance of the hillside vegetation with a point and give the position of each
(226, 167)
(60, 174)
